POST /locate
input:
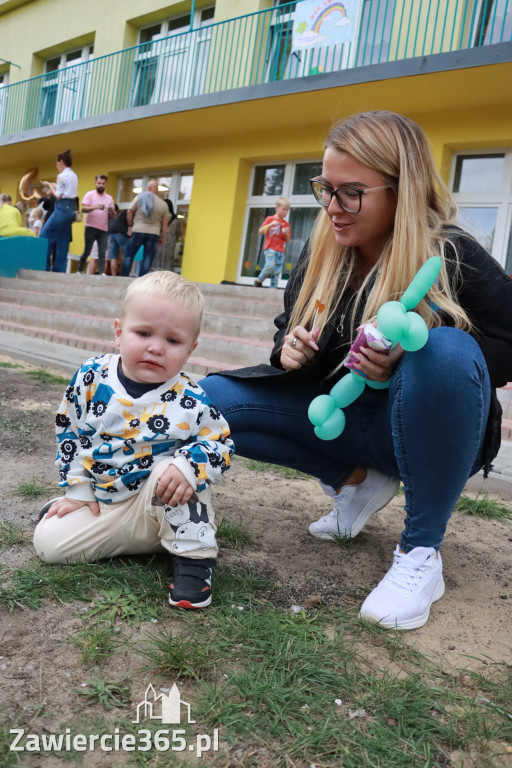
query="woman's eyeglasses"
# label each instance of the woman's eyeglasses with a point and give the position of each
(349, 198)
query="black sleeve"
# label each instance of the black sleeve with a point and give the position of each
(484, 291)
(291, 293)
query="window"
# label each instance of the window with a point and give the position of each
(268, 182)
(171, 59)
(492, 22)
(175, 186)
(65, 88)
(4, 81)
(482, 185)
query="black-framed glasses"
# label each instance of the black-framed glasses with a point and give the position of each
(349, 198)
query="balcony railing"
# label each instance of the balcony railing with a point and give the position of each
(247, 51)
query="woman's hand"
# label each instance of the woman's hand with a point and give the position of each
(299, 348)
(378, 366)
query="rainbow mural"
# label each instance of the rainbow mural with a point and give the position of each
(325, 12)
(334, 19)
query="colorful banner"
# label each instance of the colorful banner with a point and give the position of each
(319, 23)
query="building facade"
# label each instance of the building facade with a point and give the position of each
(224, 105)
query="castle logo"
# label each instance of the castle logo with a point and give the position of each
(166, 707)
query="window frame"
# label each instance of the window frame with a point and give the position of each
(268, 201)
(501, 199)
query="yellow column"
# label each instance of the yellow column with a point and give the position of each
(214, 230)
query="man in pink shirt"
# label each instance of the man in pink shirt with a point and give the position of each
(99, 207)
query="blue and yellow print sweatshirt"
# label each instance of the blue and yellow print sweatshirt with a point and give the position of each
(108, 441)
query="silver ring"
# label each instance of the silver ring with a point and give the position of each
(294, 342)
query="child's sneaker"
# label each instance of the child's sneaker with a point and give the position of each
(191, 585)
(403, 598)
(354, 505)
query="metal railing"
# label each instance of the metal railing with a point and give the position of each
(247, 51)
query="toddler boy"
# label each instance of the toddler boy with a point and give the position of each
(277, 233)
(139, 444)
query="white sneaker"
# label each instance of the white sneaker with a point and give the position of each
(354, 505)
(403, 598)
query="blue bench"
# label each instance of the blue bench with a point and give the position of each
(22, 253)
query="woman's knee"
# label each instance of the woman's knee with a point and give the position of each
(450, 357)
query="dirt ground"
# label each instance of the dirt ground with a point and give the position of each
(37, 665)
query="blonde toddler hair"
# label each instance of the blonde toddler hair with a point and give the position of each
(166, 285)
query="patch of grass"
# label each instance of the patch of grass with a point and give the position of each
(260, 466)
(97, 642)
(482, 506)
(48, 378)
(8, 759)
(108, 693)
(233, 535)
(11, 535)
(11, 365)
(118, 603)
(38, 582)
(32, 489)
(302, 688)
(188, 654)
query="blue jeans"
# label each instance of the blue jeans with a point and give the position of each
(134, 243)
(118, 241)
(57, 231)
(273, 266)
(428, 428)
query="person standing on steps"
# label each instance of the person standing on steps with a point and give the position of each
(148, 218)
(98, 207)
(57, 228)
(277, 233)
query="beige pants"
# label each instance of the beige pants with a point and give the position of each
(137, 526)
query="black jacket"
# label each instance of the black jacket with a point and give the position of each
(482, 289)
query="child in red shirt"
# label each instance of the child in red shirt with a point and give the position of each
(277, 233)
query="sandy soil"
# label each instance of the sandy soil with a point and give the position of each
(39, 666)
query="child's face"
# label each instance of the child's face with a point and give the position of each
(156, 337)
(282, 211)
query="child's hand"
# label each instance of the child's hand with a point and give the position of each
(64, 506)
(173, 488)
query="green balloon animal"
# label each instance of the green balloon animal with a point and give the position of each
(399, 325)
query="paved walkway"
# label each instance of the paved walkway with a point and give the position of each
(66, 360)
(500, 479)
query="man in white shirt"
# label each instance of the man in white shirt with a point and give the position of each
(98, 206)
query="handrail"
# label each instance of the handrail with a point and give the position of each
(246, 51)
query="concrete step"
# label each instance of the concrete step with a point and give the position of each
(65, 360)
(505, 398)
(256, 302)
(253, 327)
(226, 351)
(78, 311)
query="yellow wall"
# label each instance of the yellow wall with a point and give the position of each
(458, 110)
(51, 27)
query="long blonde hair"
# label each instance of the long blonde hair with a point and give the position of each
(397, 148)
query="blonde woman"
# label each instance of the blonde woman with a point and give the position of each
(385, 211)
